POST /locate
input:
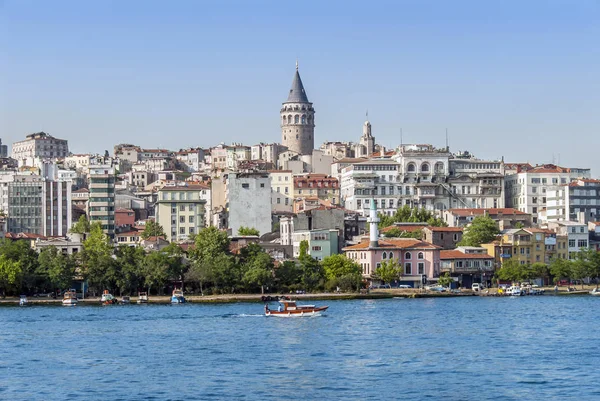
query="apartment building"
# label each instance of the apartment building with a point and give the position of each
(576, 201)
(101, 202)
(180, 210)
(282, 190)
(319, 186)
(526, 189)
(40, 145)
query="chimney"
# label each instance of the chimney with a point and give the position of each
(373, 229)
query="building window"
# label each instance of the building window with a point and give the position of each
(316, 248)
(572, 243)
(182, 230)
(582, 243)
(407, 256)
(384, 255)
(421, 268)
(262, 185)
(191, 230)
(420, 255)
(182, 219)
(246, 186)
(408, 268)
(182, 208)
(191, 219)
(411, 168)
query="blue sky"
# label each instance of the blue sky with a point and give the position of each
(518, 79)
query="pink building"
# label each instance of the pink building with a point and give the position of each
(416, 257)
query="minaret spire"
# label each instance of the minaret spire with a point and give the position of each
(296, 63)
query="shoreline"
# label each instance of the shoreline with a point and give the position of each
(256, 298)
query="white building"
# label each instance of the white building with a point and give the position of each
(526, 190)
(40, 145)
(577, 201)
(248, 201)
(577, 234)
(282, 190)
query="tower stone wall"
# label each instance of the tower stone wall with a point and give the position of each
(298, 120)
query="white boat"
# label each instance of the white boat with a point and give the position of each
(108, 298)
(595, 292)
(23, 300)
(289, 308)
(125, 300)
(69, 298)
(177, 297)
(514, 291)
(142, 298)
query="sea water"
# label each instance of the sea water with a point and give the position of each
(468, 348)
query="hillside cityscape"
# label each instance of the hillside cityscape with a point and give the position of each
(344, 215)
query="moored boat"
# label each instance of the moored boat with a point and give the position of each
(177, 297)
(108, 298)
(69, 298)
(142, 298)
(595, 292)
(23, 300)
(125, 300)
(514, 291)
(288, 308)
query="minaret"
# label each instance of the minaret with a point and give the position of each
(373, 220)
(298, 119)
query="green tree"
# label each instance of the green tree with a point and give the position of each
(152, 229)
(246, 231)
(481, 231)
(209, 244)
(10, 274)
(540, 270)
(561, 269)
(81, 227)
(445, 280)
(592, 257)
(97, 259)
(59, 268)
(397, 232)
(388, 271)
(341, 272)
(130, 261)
(406, 214)
(20, 251)
(512, 270)
(156, 271)
(339, 265)
(288, 275)
(259, 272)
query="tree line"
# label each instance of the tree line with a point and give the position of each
(209, 266)
(584, 265)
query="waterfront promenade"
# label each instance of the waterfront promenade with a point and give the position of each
(372, 294)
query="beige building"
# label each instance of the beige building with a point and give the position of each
(321, 186)
(40, 145)
(180, 210)
(282, 190)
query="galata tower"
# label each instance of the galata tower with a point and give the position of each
(298, 119)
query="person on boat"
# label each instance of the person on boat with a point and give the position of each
(266, 308)
(279, 308)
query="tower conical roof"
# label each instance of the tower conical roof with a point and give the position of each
(297, 93)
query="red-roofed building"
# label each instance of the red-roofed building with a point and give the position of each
(505, 217)
(415, 257)
(468, 265)
(322, 186)
(526, 190)
(444, 237)
(124, 218)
